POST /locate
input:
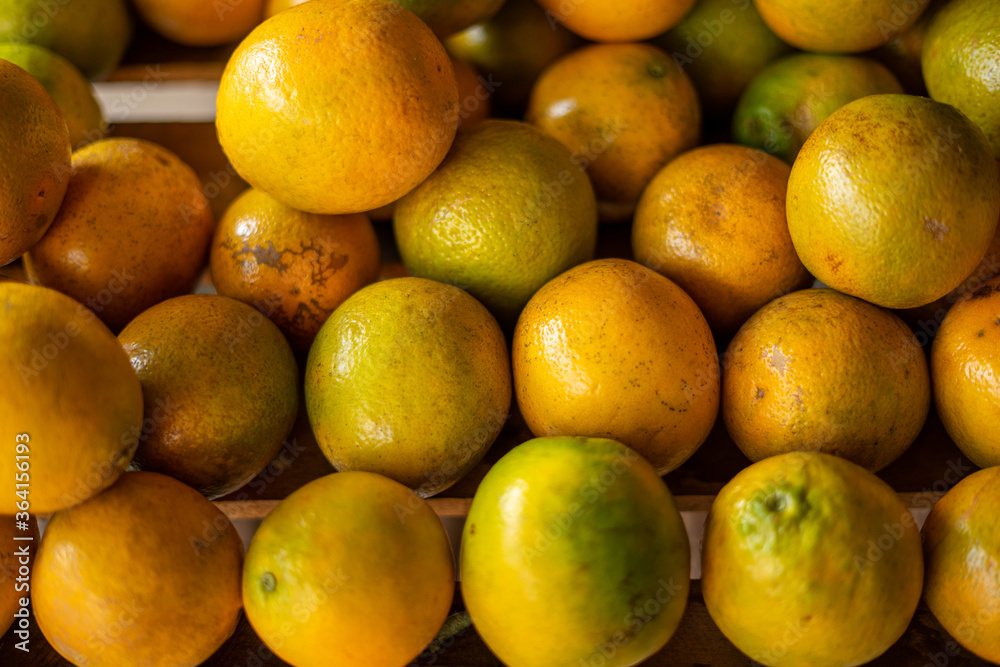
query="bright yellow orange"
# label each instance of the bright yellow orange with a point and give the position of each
(616, 20)
(133, 230)
(198, 23)
(818, 370)
(962, 561)
(508, 210)
(369, 582)
(894, 199)
(624, 111)
(611, 349)
(120, 577)
(35, 168)
(338, 106)
(71, 392)
(965, 365)
(810, 561)
(294, 267)
(849, 26)
(713, 221)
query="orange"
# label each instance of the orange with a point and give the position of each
(894, 199)
(508, 210)
(409, 378)
(810, 561)
(818, 370)
(789, 98)
(17, 555)
(843, 27)
(713, 221)
(351, 569)
(473, 96)
(338, 106)
(198, 23)
(72, 394)
(91, 34)
(133, 230)
(219, 384)
(294, 267)
(611, 349)
(120, 577)
(721, 45)
(960, 62)
(64, 82)
(965, 364)
(901, 54)
(624, 110)
(574, 553)
(616, 20)
(962, 580)
(511, 50)
(34, 171)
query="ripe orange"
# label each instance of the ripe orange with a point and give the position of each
(617, 20)
(818, 370)
(894, 199)
(133, 230)
(198, 23)
(351, 569)
(611, 349)
(849, 26)
(965, 364)
(808, 559)
(294, 267)
(962, 580)
(35, 168)
(508, 210)
(713, 221)
(119, 578)
(338, 106)
(623, 110)
(473, 96)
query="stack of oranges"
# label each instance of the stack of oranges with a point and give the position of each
(791, 208)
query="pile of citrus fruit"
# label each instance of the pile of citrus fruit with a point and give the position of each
(624, 223)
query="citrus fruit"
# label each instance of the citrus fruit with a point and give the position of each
(34, 171)
(351, 569)
(844, 27)
(71, 92)
(960, 62)
(291, 118)
(219, 384)
(962, 559)
(18, 538)
(899, 226)
(119, 578)
(624, 110)
(473, 97)
(409, 378)
(617, 20)
(965, 365)
(91, 34)
(713, 221)
(817, 370)
(808, 559)
(507, 210)
(134, 229)
(721, 45)
(196, 23)
(511, 50)
(901, 54)
(541, 579)
(789, 98)
(72, 394)
(611, 349)
(294, 267)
